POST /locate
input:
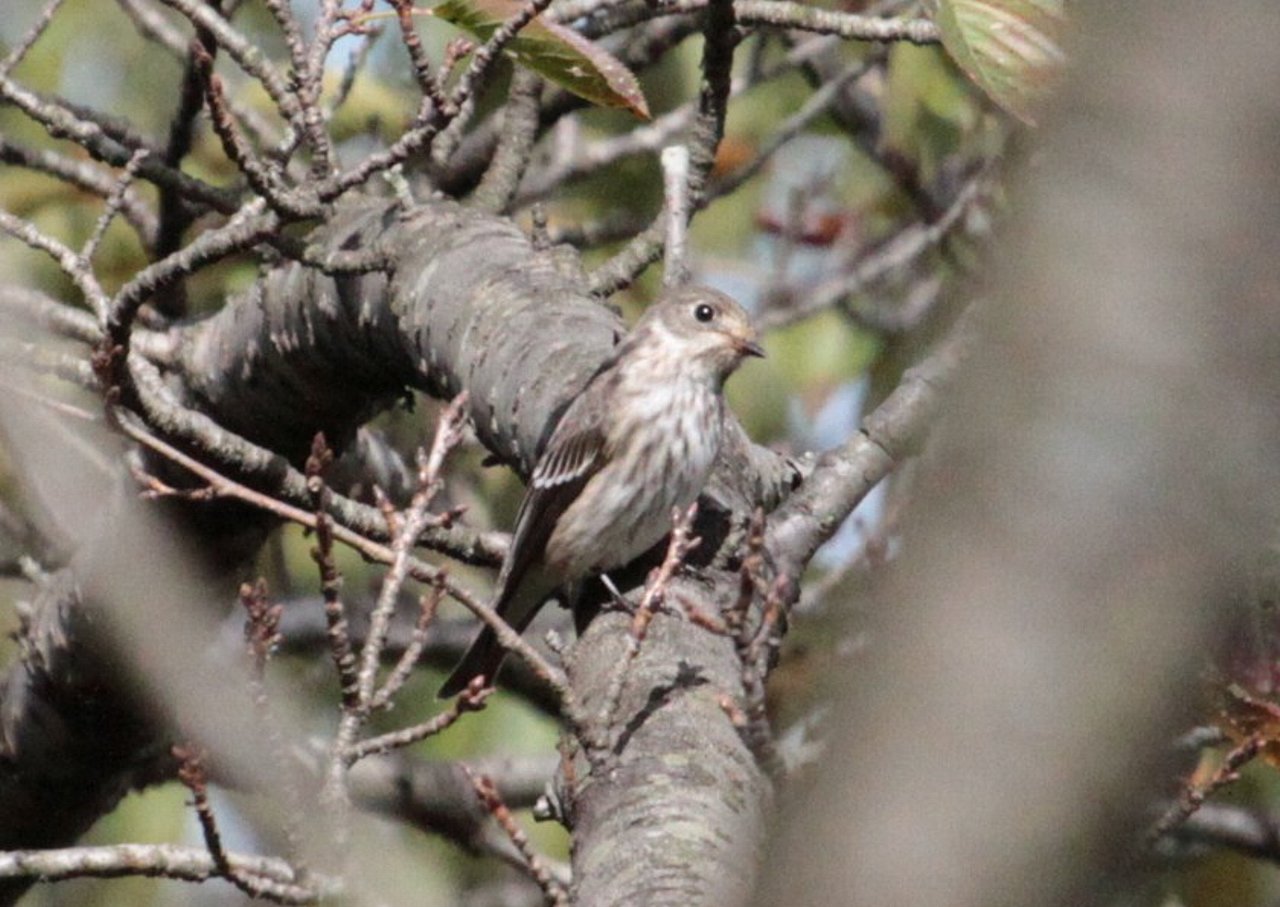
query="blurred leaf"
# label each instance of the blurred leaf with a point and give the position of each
(1008, 47)
(929, 107)
(555, 52)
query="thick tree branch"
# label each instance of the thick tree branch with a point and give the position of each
(845, 475)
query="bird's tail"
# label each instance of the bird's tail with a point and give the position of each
(484, 656)
(517, 604)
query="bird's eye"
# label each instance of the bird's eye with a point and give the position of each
(704, 312)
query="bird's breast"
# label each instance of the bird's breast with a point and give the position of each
(661, 446)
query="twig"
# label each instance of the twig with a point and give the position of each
(75, 267)
(1192, 797)
(337, 630)
(904, 248)
(262, 636)
(192, 774)
(844, 475)
(427, 605)
(188, 864)
(246, 54)
(63, 120)
(466, 95)
(448, 434)
(488, 794)
(405, 531)
(603, 741)
(264, 181)
(30, 38)
(291, 486)
(472, 699)
(114, 203)
(247, 228)
(720, 37)
(86, 175)
(675, 186)
(783, 14)
(428, 84)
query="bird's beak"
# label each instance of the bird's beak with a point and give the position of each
(750, 346)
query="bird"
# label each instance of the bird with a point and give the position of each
(637, 442)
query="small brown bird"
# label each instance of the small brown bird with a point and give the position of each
(638, 441)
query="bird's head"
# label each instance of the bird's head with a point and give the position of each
(705, 327)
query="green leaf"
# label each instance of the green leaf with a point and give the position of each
(1010, 48)
(555, 52)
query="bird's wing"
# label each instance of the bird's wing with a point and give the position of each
(574, 453)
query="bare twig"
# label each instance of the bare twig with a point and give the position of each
(291, 486)
(84, 175)
(466, 95)
(246, 54)
(897, 253)
(427, 605)
(72, 264)
(188, 864)
(1193, 796)
(337, 630)
(472, 699)
(485, 789)
(675, 185)
(405, 532)
(720, 37)
(33, 34)
(605, 740)
(115, 201)
(192, 773)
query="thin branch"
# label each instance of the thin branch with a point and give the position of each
(466, 95)
(188, 864)
(309, 74)
(427, 605)
(604, 743)
(801, 16)
(375, 551)
(245, 52)
(74, 266)
(63, 121)
(114, 203)
(675, 186)
(720, 37)
(1244, 831)
(263, 178)
(449, 430)
(155, 28)
(250, 226)
(84, 175)
(1193, 796)
(50, 314)
(485, 789)
(814, 106)
(259, 464)
(572, 157)
(337, 629)
(844, 475)
(472, 699)
(33, 34)
(899, 252)
(428, 84)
